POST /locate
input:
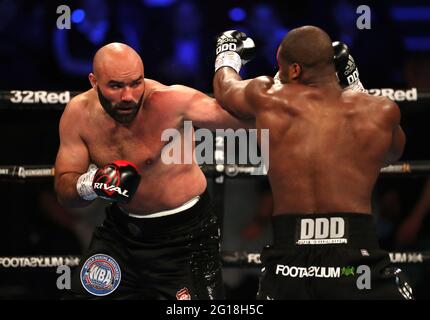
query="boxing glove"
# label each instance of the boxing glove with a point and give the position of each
(346, 68)
(233, 49)
(116, 181)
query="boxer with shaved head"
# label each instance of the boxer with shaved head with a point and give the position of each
(161, 230)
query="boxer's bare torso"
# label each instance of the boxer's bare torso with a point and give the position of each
(91, 136)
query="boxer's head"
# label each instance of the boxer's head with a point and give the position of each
(305, 55)
(118, 77)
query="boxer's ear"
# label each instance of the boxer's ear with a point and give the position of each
(93, 80)
(294, 71)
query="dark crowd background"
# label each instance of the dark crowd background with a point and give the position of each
(176, 42)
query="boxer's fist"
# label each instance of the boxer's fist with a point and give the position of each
(233, 49)
(116, 181)
(346, 69)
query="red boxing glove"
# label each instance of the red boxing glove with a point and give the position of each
(117, 181)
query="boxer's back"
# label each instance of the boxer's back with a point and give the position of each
(326, 148)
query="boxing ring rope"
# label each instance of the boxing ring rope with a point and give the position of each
(407, 168)
(410, 100)
(252, 259)
(19, 173)
(230, 259)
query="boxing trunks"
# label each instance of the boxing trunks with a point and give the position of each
(162, 256)
(328, 256)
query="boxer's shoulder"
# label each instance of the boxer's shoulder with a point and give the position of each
(81, 101)
(378, 108)
(376, 103)
(362, 101)
(383, 111)
(77, 108)
(261, 84)
(151, 85)
(166, 98)
(173, 96)
(154, 90)
(389, 110)
(260, 90)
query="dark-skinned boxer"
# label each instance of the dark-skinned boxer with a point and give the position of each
(327, 146)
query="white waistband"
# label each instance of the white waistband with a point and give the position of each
(163, 213)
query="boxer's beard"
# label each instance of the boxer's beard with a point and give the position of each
(112, 109)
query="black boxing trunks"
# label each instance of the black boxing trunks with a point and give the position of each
(328, 256)
(174, 256)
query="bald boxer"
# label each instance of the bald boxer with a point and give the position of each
(327, 146)
(161, 230)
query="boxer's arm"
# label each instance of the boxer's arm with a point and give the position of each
(72, 158)
(398, 138)
(205, 112)
(241, 97)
